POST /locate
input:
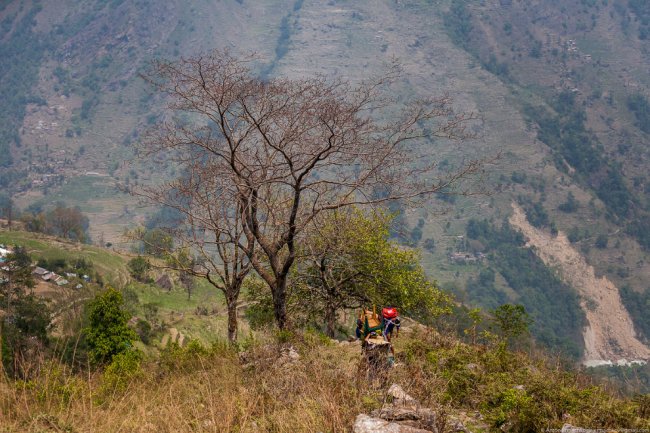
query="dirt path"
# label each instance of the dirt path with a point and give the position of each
(609, 334)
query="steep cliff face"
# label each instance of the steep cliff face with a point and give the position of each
(560, 87)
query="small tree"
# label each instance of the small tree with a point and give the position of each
(107, 333)
(138, 268)
(24, 319)
(348, 261)
(6, 208)
(512, 321)
(157, 242)
(67, 222)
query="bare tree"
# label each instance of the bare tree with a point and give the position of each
(285, 150)
(208, 235)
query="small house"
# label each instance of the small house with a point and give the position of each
(40, 271)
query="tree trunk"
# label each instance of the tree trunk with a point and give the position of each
(232, 320)
(330, 320)
(280, 302)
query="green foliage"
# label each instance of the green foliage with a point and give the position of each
(193, 355)
(641, 9)
(497, 68)
(350, 262)
(21, 56)
(554, 307)
(570, 205)
(535, 213)
(640, 106)
(566, 134)
(164, 217)
(518, 177)
(56, 386)
(640, 229)
(124, 368)
(429, 245)
(631, 380)
(259, 313)
(6, 205)
(138, 268)
(144, 331)
(512, 321)
(458, 22)
(638, 305)
(483, 291)
(24, 318)
(107, 333)
(509, 389)
(157, 243)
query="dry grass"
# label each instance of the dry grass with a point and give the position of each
(210, 391)
(263, 390)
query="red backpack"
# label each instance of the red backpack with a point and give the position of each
(389, 313)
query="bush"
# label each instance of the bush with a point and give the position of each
(143, 329)
(138, 268)
(107, 333)
(193, 355)
(124, 368)
(640, 106)
(570, 205)
(601, 241)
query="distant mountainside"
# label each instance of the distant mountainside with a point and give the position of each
(562, 88)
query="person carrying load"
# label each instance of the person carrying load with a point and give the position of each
(389, 322)
(368, 323)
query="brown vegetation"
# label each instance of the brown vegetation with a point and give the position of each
(317, 387)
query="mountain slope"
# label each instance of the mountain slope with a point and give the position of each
(554, 82)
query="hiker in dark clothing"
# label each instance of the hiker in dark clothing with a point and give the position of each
(390, 322)
(359, 329)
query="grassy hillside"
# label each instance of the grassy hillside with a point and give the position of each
(186, 378)
(164, 309)
(323, 388)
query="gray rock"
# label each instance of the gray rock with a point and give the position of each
(568, 428)
(458, 426)
(398, 397)
(368, 424)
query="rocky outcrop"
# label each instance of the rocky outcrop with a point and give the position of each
(401, 413)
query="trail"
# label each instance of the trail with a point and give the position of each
(609, 335)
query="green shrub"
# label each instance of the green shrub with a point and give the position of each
(107, 333)
(123, 369)
(138, 268)
(54, 384)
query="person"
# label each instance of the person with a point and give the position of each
(359, 329)
(390, 322)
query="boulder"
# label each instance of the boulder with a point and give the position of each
(400, 413)
(398, 397)
(368, 424)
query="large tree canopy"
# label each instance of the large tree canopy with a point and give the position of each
(280, 152)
